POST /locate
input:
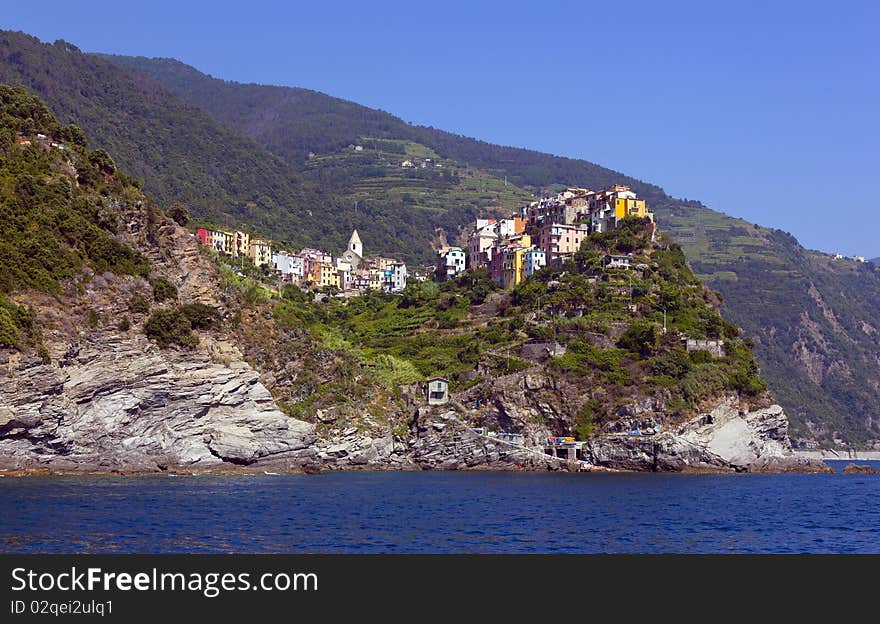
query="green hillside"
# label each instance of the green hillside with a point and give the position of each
(609, 320)
(58, 212)
(821, 370)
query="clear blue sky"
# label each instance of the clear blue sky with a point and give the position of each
(764, 110)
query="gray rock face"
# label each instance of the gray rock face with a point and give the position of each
(740, 437)
(662, 452)
(455, 446)
(727, 438)
(119, 403)
(123, 404)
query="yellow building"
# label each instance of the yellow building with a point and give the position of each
(376, 278)
(241, 245)
(523, 240)
(514, 266)
(327, 275)
(260, 252)
(629, 207)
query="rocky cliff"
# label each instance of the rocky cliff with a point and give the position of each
(106, 398)
(125, 347)
(120, 404)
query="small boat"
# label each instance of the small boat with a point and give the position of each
(275, 474)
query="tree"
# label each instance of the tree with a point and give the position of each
(641, 337)
(170, 327)
(72, 135)
(102, 162)
(179, 213)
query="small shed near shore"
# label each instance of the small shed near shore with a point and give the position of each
(437, 391)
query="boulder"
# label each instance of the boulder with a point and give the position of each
(860, 469)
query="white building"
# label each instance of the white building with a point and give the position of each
(534, 261)
(506, 227)
(288, 264)
(355, 244)
(451, 263)
(395, 277)
(480, 244)
(617, 262)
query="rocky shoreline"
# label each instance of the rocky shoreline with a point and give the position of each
(102, 400)
(190, 415)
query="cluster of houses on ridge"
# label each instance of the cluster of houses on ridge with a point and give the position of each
(42, 140)
(840, 256)
(546, 233)
(350, 273)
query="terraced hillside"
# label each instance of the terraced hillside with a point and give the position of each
(404, 177)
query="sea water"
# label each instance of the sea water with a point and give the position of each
(443, 512)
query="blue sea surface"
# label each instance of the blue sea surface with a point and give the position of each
(443, 512)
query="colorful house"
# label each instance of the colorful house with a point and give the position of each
(513, 272)
(535, 260)
(287, 264)
(561, 241)
(325, 275)
(376, 278)
(480, 243)
(222, 241)
(395, 277)
(496, 265)
(241, 244)
(260, 252)
(629, 207)
(451, 263)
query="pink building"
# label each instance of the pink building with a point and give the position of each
(560, 241)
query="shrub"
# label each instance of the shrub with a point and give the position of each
(179, 213)
(252, 293)
(641, 337)
(9, 332)
(675, 364)
(703, 381)
(163, 289)
(92, 318)
(124, 324)
(138, 305)
(170, 327)
(540, 332)
(293, 293)
(584, 425)
(701, 356)
(200, 316)
(44, 355)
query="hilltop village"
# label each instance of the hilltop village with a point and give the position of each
(546, 233)
(350, 273)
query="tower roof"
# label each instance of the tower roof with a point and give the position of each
(355, 238)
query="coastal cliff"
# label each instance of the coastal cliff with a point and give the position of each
(126, 347)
